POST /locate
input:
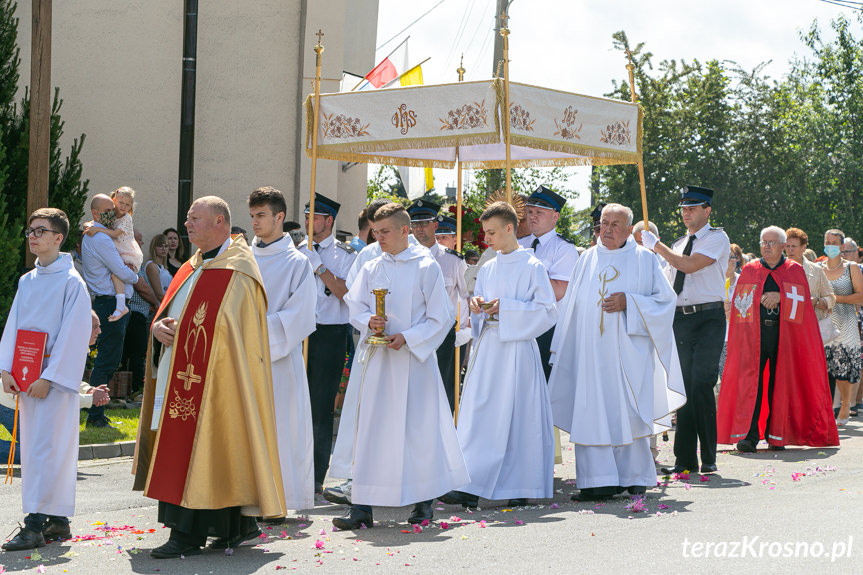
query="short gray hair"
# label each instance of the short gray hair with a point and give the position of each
(783, 237)
(218, 205)
(850, 242)
(639, 227)
(621, 209)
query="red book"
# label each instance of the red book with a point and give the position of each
(29, 354)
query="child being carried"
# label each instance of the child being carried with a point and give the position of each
(123, 233)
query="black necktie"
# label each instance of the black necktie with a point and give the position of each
(678, 279)
(534, 243)
(318, 248)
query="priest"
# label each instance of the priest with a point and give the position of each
(505, 428)
(51, 300)
(403, 440)
(207, 410)
(774, 333)
(616, 377)
(291, 297)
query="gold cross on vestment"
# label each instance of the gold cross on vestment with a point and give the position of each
(603, 292)
(189, 377)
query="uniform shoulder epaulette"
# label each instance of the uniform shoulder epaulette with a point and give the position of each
(678, 239)
(347, 247)
(453, 252)
(566, 240)
(712, 229)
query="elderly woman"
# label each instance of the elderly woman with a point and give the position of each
(819, 288)
(843, 353)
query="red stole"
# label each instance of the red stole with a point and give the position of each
(192, 349)
(802, 409)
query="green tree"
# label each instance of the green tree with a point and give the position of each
(66, 190)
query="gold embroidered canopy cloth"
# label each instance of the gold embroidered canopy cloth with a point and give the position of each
(434, 125)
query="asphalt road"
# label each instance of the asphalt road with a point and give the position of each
(797, 511)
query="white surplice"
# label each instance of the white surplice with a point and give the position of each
(505, 426)
(52, 299)
(291, 296)
(616, 377)
(400, 436)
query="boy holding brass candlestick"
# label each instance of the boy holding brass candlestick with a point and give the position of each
(508, 457)
(404, 444)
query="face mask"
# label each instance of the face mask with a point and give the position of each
(107, 219)
(831, 251)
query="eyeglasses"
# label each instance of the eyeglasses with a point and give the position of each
(847, 251)
(37, 232)
(771, 244)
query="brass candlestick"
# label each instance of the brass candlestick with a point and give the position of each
(379, 337)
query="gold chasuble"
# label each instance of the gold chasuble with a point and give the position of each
(215, 446)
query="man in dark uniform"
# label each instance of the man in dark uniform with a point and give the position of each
(425, 223)
(331, 261)
(556, 253)
(696, 268)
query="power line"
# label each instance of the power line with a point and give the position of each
(845, 4)
(411, 24)
(468, 10)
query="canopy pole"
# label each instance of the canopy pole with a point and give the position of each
(310, 227)
(504, 31)
(458, 246)
(634, 97)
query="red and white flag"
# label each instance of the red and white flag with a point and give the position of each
(388, 69)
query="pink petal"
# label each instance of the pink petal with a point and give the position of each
(322, 532)
(704, 478)
(418, 529)
(40, 569)
(319, 544)
(519, 522)
(443, 525)
(425, 523)
(555, 506)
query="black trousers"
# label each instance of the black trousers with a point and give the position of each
(446, 365)
(135, 349)
(699, 339)
(769, 350)
(193, 526)
(544, 343)
(328, 346)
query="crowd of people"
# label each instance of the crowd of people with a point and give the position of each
(462, 366)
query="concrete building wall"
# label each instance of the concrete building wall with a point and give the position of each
(118, 67)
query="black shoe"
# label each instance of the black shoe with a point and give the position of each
(174, 550)
(520, 502)
(354, 519)
(589, 495)
(678, 469)
(746, 446)
(25, 539)
(460, 498)
(709, 468)
(225, 543)
(101, 422)
(776, 447)
(273, 520)
(421, 512)
(56, 531)
(637, 489)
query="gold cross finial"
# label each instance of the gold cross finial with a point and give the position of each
(319, 34)
(460, 70)
(503, 19)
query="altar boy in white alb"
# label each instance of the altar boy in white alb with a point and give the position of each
(505, 427)
(291, 297)
(51, 299)
(616, 377)
(405, 449)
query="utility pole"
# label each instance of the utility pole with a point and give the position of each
(496, 177)
(187, 117)
(40, 111)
